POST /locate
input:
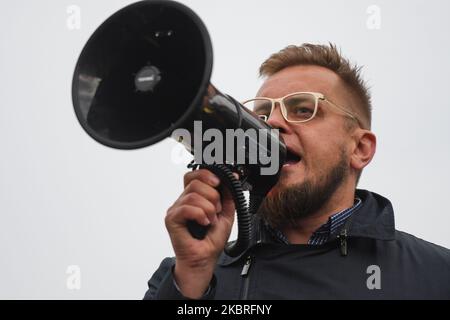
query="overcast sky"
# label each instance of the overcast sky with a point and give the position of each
(70, 205)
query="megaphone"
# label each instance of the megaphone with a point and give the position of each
(145, 72)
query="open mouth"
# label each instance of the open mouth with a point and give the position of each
(292, 158)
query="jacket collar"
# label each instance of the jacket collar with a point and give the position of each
(374, 219)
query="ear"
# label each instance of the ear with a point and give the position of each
(364, 148)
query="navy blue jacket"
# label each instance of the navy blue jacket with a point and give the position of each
(366, 259)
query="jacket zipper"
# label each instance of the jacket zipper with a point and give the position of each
(246, 278)
(343, 241)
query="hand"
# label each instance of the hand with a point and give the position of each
(201, 202)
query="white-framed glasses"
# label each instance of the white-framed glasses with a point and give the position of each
(295, 107)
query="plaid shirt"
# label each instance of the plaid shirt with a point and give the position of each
(321, 235)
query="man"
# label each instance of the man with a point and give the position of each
(316, 236)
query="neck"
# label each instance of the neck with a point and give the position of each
(342, 199)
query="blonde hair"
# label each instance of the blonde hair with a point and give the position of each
(327, 56)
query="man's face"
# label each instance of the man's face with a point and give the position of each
(322, 143)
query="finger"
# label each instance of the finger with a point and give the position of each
(181, 214)
(206, 191)
(194, 199)
(203, 175)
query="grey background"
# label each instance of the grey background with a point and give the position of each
(67, 200)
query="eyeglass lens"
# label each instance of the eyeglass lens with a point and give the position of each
(299, 107)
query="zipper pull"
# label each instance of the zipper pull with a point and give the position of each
(343, 242)
(246, 267)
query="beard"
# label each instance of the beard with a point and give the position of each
(290, 204)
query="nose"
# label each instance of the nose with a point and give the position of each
(277, 121)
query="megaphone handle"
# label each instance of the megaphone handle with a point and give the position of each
(196, 230)
(244, 216)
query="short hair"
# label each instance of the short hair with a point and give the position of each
(327, 56)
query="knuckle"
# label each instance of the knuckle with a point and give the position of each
(167, 219)
(169, 211)
(182, 209)
(203, 172)
(194, 184)
(205, 175)
(216, 196)
(210, 208)
(178, 210)
(170, 208)
(189, 210)
(192, 197)
(188, 176)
